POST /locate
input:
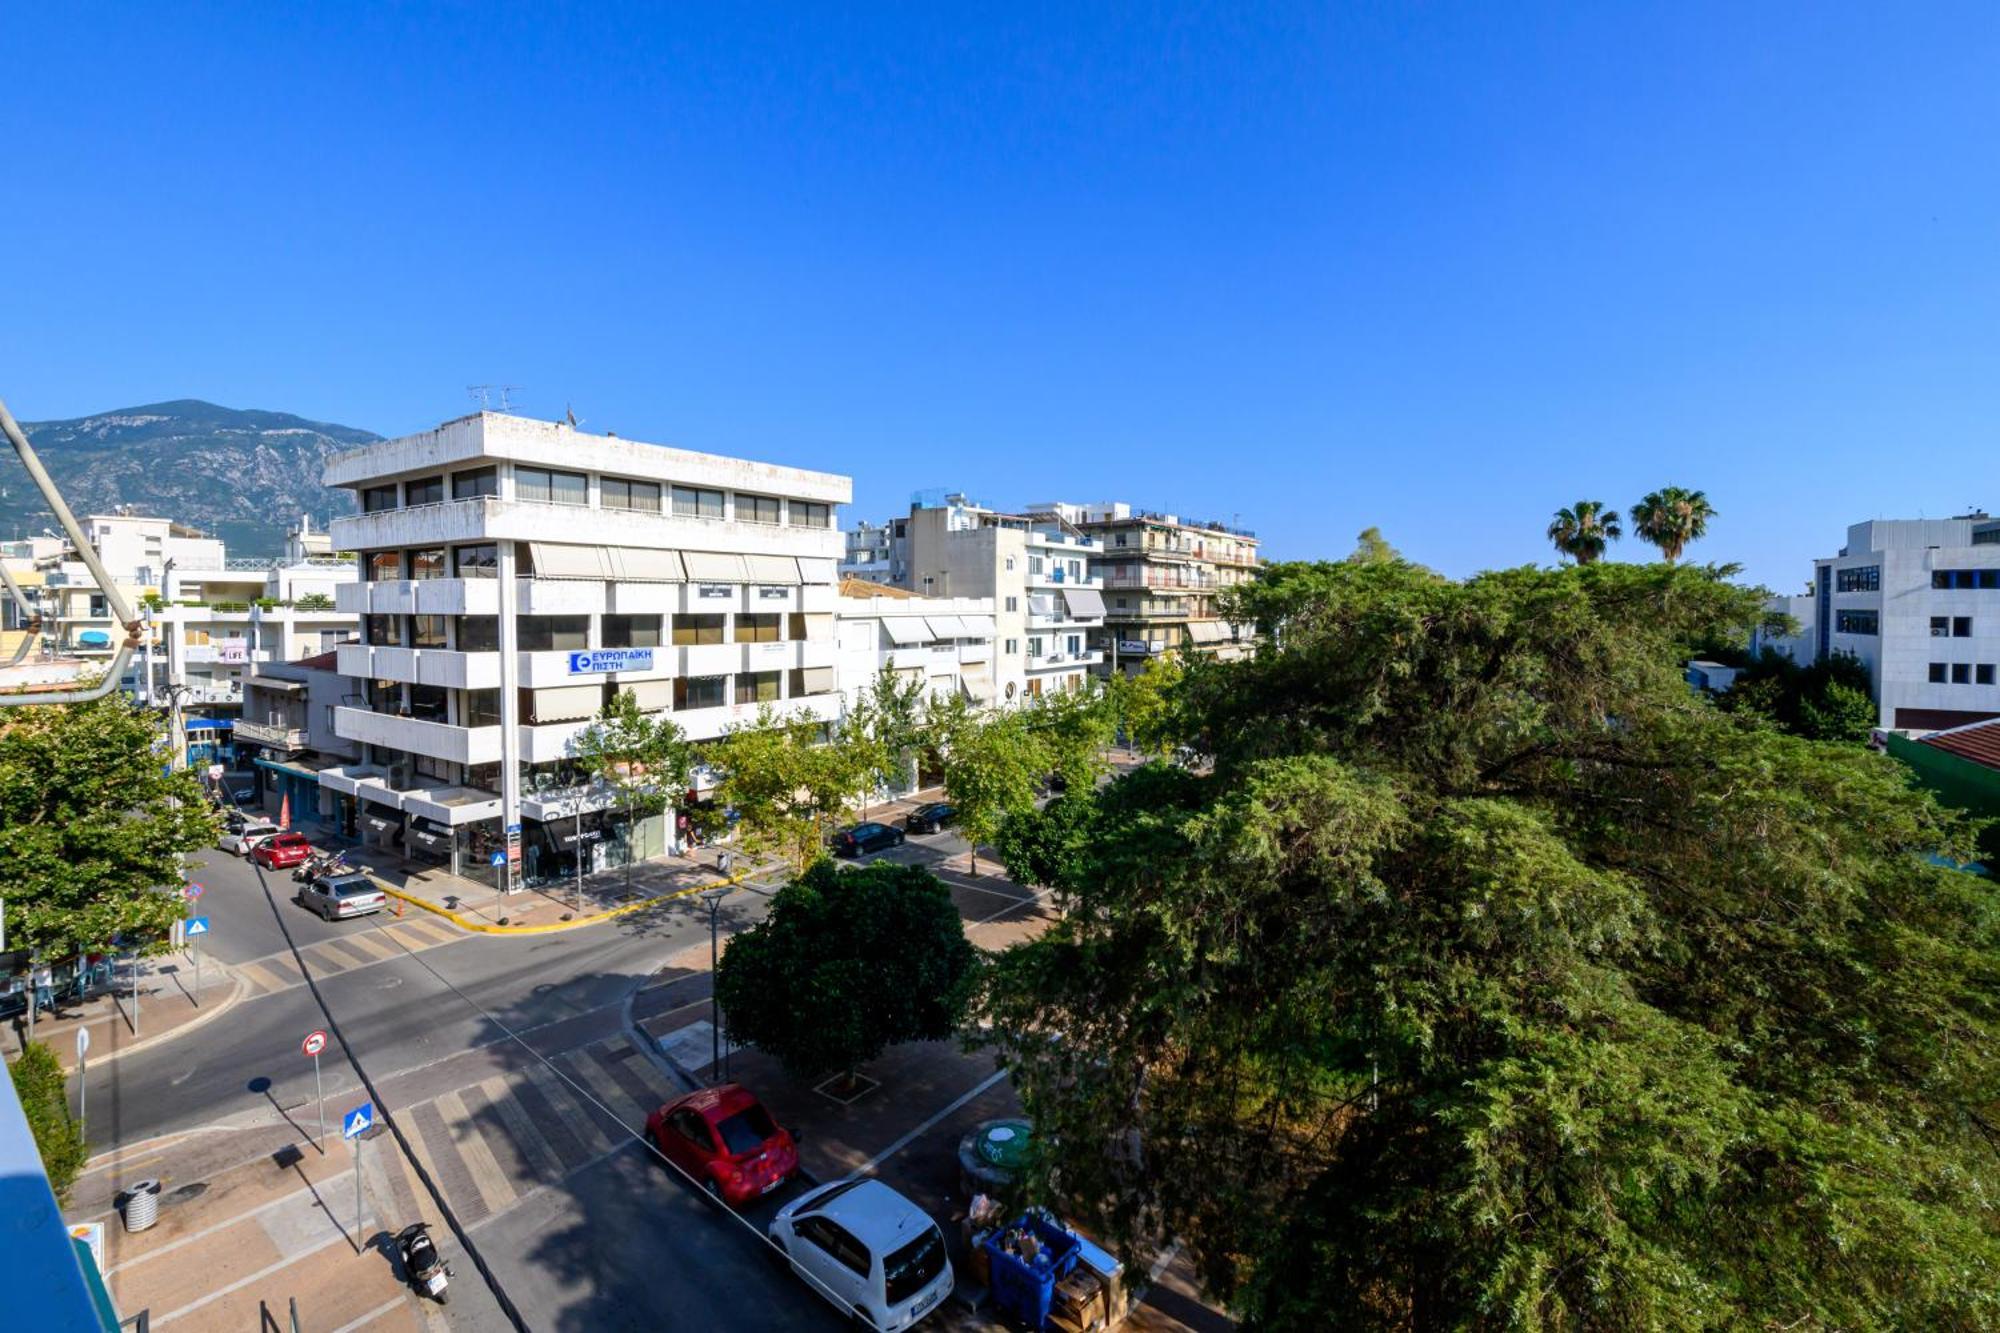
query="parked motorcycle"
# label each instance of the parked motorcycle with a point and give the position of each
(425, 1268)
(322, 863)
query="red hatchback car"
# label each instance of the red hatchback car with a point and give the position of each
(725, 1139)
(282, 852)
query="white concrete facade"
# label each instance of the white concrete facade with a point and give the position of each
(516, 575)
(1918, 602)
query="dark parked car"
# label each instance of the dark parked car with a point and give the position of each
(865, 838)
(931, 818)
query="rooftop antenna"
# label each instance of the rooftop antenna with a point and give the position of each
(484, 394)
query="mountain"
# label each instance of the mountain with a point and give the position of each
(244, 476)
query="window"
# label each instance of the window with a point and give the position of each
(441, 769)
(1857, 622)
(98, 606)
(383, 565)
(1010, 563)
(811, 514)
(631, 631)
(1983, 674)
(1940, 627)
(1074, 644)
(428, 563)
(1961, 627)
(1034, 645)
(375, 499)
(1961, 673)
(757, 628)
(424, 491)
(698, 692)
(757, 687)
(692, 629)
(1013, 604)
(477, 562)
(429, 702)
(541, 634)
(475, 482)
(1120, 541)
(1034, 564)
(1965, 578)
(756, 508)
(690, 502)
(837, 1242)
(1013, 647)
(1986, 536)
(907, 1271)
(543, 486)
(622, 493)
(1937, 673)
(479, 634)
(426, 631)
(381, 631)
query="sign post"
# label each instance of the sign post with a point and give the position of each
(196, 927)
(314, 1043)
(352, 1126)
(82, 1080)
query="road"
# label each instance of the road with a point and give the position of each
(504, 1060)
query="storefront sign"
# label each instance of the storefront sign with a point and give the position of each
(601, 660)
(232, 650)
(774, 594)
(714, 590)
(1137, 647)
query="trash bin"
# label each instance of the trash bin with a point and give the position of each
(142, 1205)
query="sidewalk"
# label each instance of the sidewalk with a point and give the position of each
(601, 896)
(167, 1006)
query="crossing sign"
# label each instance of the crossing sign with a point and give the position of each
(196, 925)
(356, 1122)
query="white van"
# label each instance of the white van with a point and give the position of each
(867, 1249)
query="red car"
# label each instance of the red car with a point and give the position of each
(282, 852)
(724, 1138)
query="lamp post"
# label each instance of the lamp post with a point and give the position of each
(712, 899)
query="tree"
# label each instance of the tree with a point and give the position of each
(1074, 729)
(787, 784)
(1146, 705)
(847, 962)
(93, 827)
(1372, 548)
(1583, 530)
(1493, 977)
(1670, 518)
(993, 769)
(645, 761)
(39, 1083)
(314, 601)
(886, 726)
(1831, 699)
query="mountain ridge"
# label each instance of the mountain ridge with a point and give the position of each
(245, 475)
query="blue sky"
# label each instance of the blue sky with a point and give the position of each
(1439, 268)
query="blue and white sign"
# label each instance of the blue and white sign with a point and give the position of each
(195, 925)
(356, 1122)
(600, 660)
(496, 859)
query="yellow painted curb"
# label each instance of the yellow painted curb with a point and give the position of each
(574, 924)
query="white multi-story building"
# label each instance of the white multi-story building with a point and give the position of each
(516, 575)
(944, 644)
(1918, 602)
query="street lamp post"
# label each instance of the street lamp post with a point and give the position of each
(713, 899)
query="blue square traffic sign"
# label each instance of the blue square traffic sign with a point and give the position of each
(195, 925)
(356, 1122)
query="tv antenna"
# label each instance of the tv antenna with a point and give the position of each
(484, 394)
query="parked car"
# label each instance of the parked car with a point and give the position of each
(242, 836)
(281, 851)
(337, 897)
(870, 837)
(932, 818)
(867, 1249)
(724, 1138)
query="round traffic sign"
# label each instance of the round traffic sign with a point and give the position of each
(314, 1043)
(191, 891)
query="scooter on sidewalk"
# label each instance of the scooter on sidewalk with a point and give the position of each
(426, 1270)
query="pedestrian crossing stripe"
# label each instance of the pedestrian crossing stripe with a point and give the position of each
(326, 958)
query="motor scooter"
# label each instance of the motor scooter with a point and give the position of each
(425, 1268)
(321, 863)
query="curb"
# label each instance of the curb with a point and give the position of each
(552, 927)
(238, 987)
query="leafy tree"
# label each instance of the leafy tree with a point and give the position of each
(1493, 977)
(886, 727)
(993, 769)
(93, 826)
(1145, 702)
(1372, 548)
(39, 1083)
(1670, 518)
(787, 784)
(1831, 699)
(847, 962)
(1074, 729)
(1583, 530)
(645, 761)
(314, 601)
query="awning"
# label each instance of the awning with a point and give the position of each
(643, 564)
(905, 629)
(817, 680)
(1042, 604)
(1208, 631)
(980, 627)
(773, 569)
(289, 770)
(651, 695)
(1084, 603)
(208, 724)
(434, 839)
(556, 561)
(947, 627)
(566, 703)
(283, 686)
(714, 567)
(817, 569)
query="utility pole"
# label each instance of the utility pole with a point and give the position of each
(712, 898)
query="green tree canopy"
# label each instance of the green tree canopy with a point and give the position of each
(1583, 530)
(1670, 518)
(848, 961)
(994, 768)
(1831, 699)
(1493, 977)
(646, 761)
(1074, 729)
(886, 728)
(788, 785)
(93, 826)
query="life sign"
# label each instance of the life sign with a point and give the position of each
(600, 660)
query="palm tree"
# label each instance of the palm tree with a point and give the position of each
(1670, 518)
(1582, 531)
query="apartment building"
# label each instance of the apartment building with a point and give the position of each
(1161, 575)
(1918, 601)
(286, 736)
(945, 644)
(515, 576)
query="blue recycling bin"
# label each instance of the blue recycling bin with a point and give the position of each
(1025, 1288)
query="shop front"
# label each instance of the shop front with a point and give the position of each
(279, 783)
(482, 852)
(552, 848)
(381, 828)
(427, 842)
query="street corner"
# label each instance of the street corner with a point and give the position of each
(169, 997)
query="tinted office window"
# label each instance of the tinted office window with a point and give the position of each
(384, 565)
(423, 491)
(690, 502)
(756, 508)
(428, 563)
(631, 631)
(477, 562)
(378, 498)
(546, 487)
(475, 482)
(619, 493)
(479, 634)
(811, 514)
(692, 629)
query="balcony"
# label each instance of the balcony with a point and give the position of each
(438, 740)
(278, 735)
(492, 518)
(420, 666)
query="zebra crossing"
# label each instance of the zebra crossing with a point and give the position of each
(491, 1144)
(279, 971)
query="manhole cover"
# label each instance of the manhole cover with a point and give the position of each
(184, 1193)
